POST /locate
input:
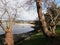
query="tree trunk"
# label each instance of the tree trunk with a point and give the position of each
(42, 19)
(52, 25)
(8, 37)
(53, 29)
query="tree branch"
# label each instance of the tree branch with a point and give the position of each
(2, 27)
(49, 13)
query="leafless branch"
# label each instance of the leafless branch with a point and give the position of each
(49, 13)
(56, 17)
(3, 2)
(2, 27)
(2, 15)
(58, 13)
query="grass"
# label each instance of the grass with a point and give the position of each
(39, 39)
(58, 30)
(34, 39)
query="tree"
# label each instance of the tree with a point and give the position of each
(42, 19)
(47, 3)
(7, 25)
(52, 13)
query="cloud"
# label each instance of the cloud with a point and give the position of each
(23, 13)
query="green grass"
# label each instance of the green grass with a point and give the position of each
(58, 30)
(36, 39)
(39, 39)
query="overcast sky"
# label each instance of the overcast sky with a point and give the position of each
(23, 12)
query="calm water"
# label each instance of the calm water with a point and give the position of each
(19, 28)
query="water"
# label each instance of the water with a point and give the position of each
(19, 28)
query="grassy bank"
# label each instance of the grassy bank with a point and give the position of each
(39, 39)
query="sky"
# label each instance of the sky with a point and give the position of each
(23, 12)
(58, 2)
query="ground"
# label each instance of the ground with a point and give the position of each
(40, 39)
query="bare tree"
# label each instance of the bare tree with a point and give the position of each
(53, 13)
(8, 24)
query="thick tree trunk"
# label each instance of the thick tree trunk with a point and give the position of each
(42, 19)
(8, 37)
(53, 29)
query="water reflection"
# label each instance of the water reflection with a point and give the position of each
(19, 28)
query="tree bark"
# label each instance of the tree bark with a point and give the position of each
(52, 25)
(8, 37)
(53, 30)
(42, 19)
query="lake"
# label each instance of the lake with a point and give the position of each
(19, 28)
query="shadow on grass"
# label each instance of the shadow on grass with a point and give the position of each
(39, 39)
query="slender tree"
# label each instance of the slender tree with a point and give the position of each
(42, 19)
